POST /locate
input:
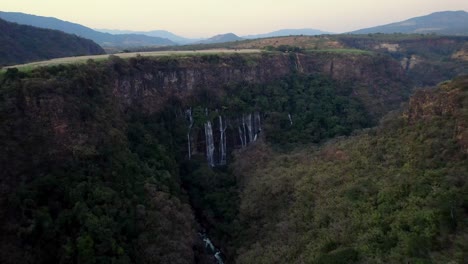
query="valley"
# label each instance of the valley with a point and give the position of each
(234, 144)
(323, 149)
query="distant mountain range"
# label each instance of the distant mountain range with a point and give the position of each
(154, 33)
(442, 23)
(22, 43)
(289, 32)
(217, 38)
(103, 39)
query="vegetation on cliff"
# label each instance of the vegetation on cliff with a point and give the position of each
(396, 193)
(95, 171)
(81, 180)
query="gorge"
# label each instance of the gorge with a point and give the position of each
(122, 161)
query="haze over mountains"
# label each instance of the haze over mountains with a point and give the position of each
(293, 149)
(443, 23)
(103, 39)
(183, 40)
(22, 43)
(288, 32)
(154, 33)
(221, 38)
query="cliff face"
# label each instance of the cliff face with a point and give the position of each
(150, 85)
(378, 80)
(427, 60)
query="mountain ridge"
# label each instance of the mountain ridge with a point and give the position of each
(221, 38)
(444, 23)
(154, 33)
(183, 40)
(104, 39)
(288, 32)
(22, 43)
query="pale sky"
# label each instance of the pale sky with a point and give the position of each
(205, 18)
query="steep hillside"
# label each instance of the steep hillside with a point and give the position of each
(94, 156)
(21, 44)
(393, 194)
(442, 23)
(103, 39)
(132, 160)
(426, 59)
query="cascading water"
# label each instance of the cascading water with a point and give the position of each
(218, 258)
(211, 248)
(188, 113)
(222, 141)
(290, 119)
(249, 127)
(209, 144)
(257, 125)
(208, 244)
(248, 122)
(244, 132)
(241, 137)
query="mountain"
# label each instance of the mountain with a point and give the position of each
(104, 39)
(153, 33)
(21, 43)
(221, 38)
(443, 23)
(288, 32)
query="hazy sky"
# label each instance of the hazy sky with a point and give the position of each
(204, 18)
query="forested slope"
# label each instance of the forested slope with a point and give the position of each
(21, 43)
(81, 180)
(96, 169)
(396, 193)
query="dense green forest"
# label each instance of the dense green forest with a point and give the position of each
(87, 196)
(21, 43)
(89, 178)
(396, 193)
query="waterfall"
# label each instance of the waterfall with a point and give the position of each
(249, 127)
(290, 119)
(244, 133)
(222, 141)
(241, 137)
(213, 250)
(257, 125)
(209, 143)
(218, 257)
(208, 244)
(188, 113)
